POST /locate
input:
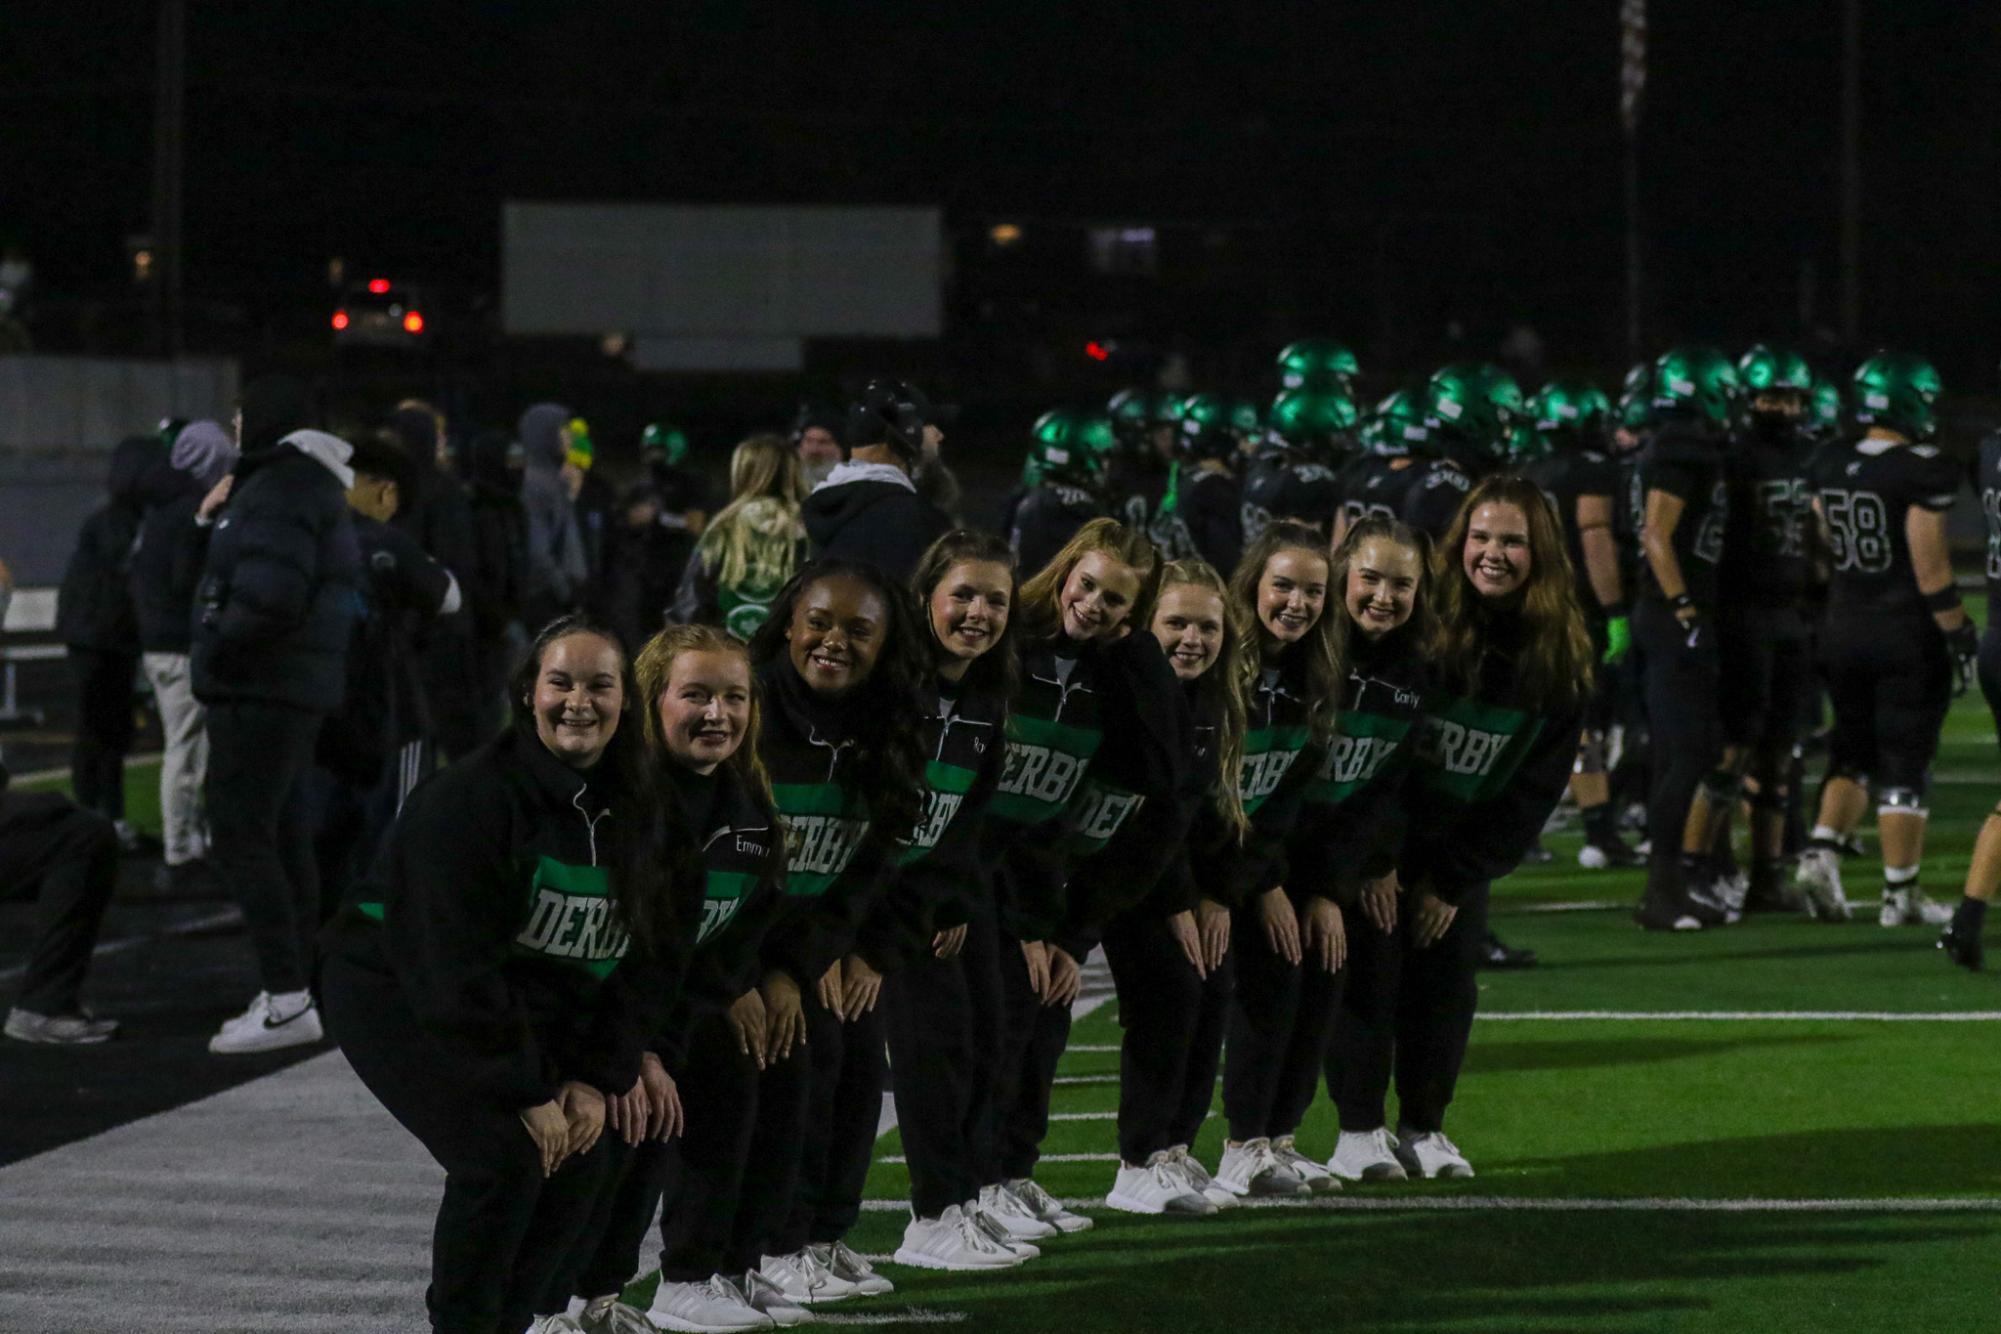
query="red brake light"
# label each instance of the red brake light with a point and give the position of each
(1097, 351)
(378, 285)
(413, 322)
(340, 319)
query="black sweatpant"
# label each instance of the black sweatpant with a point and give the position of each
(1407, 1007)
(103, 728)
(261, 838)
(771, 1171)
(1205, 1055)
(1272, 1036)
(503, 1229)
(1299, 1078)
(1684, 726)
(1160, 1006)
(65, 858)
(849, 1073)
(940, 1060)
(1033, 1037)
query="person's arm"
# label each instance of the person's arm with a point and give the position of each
(1601, 552)
(1931, 562)
(1663, 515)
(271, 585)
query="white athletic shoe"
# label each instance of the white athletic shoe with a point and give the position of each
(1819, 876)
(609, 1315)
(772, 1302)
(713, 1306)
(269, 1024)
(1044, 1206)
(1317, 1178)
(80, 1029)
(1367, 1155)
(1198, 1176)
(1156, 1187)
(1912, 907)
(838, 1259)
(996, 1231)
(1013, 1214)
(803, 1279)
(554, 1324)
(953, 1240)
(1250, 1169)
(1427, 1153)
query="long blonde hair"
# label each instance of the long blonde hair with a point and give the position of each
(1325, 673)
(755, 539)
(654, 668)
(1222, 685)
(1042, 618)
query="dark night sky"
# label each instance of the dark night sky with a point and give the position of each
(1427, 156)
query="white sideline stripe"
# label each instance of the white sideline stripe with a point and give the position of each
(1092, 1046)
(1045, 1158)
(1579, 905)
(222, 917)
(1663, 1204)
(1083, 1116)
(1750, 1016)
(914, 1316)
(1085, 1079)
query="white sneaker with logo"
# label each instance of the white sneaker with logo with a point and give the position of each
(1912, 907)
(1045, 1206)
(1156, 1187)
(1013, 1215)
(713, 1306)
(953, 1240)
(609, 1315)
(1819, 876)
(1198, 1176)
(1427, 1153)
(1250, 1168)
(765, 1297)
(996, 1231)
(838, 1259)
(1367, 1155)
(803, 1279)
(1316, 1176)
(271, 1023)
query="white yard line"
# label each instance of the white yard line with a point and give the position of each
(207, 922)
(1659, 1204)
(1045, 1158)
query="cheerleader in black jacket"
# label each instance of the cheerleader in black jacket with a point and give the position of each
(1513, 669)
(840, 659)
(493, 978)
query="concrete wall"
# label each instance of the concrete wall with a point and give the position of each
(65, 403)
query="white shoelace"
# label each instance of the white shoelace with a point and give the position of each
(843, 1257)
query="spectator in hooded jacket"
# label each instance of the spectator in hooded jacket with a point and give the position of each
(497, 587)
(274, 610)
(556, 566)
(869, 509)
(166, 565)
(95, 619)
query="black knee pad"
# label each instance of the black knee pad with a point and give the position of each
(1902, 800)
(1723, 787)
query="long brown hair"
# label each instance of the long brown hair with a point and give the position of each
(1042, 618)
(1325, 672)
(1553, 666)
(1419, 634)
(1222, 685)
(998, 669)
(654, 667)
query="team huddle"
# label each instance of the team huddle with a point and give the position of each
(1261, 706)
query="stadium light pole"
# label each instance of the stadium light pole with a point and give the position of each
(169, 125)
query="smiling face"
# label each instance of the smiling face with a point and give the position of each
(1292, 592)
(836, 633)
(969, 607)
(579, 697)
(1382, 586)
(1497, 559)
(1097, 597)
(705, 709)
(1188, 622)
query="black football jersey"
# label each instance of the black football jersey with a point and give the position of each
(1767, 559)
(1433, 500)
(1689, 466)
(1281, 486)
(1377, 484)
(1987, 486)
(1565, 479)
(1865, 490)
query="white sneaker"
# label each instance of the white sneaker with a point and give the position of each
(269, 1024)
(554, 1324)
(1367, 1155)
(952, 1240)
(996, 1231)
(1156, 1187)
(1250, 1168)
(1819, 876)
(840, 1260)
(766, 1298)
(1045, 1207)
(609, 1315)
(1317, 1178)
(81, 1029)
(803, 1279)
(1427, 1153)
(713, 1305)
(1912, 907)
(1013, 1215)
(1198, 1176)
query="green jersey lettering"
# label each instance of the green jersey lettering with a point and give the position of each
(822, 831)
(945, 789)
(1268, 755)
(1045, 761)
(1363, 744)
(1469, 750)
(570, 918)
(722, 894)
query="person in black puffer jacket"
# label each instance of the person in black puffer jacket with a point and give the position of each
(497, 588)
(273, 613)
(94, 617)
(869, 508)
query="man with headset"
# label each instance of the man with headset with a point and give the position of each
(869, 508)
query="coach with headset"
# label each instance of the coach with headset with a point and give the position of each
(869, 508)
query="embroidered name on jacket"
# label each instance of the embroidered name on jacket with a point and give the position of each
(570, 917)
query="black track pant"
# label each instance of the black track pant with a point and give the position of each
(1408, 1007)
(103, 728)
(1319, 1007)
(261, 840)
(1033, 1038)
(1685, 728)
(1205, 1056)
(1272, 1036)
(848, 1078)
(940, 1016)
(1160, 1009)
(503, 1229)
(696, 1180)
(65, 858)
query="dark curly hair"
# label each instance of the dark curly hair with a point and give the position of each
(889, 738)
(998, 670)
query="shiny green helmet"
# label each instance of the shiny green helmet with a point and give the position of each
(1067, 446)
(661, 443)
(1239, 417)
(1570, 414)
(1823, 414)
(1695, 381)
(1898, 390)
(1527, 442)
(1135, 412)
(1474, 406)
(1395, 427)
(1316, 422)
(1766, 368)
(1317, 363)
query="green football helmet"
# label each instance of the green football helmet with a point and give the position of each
(1823, 416)
(1395, 427)
(1065, 446)
(1898, 390)
(1528, 442)
(1695, 381)
(1239, 417)
(661, 443)
(1570, 414)
(1316, 422)
(1473, 406)
(1317, 363)
(1765, 368)
(1135, 412)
